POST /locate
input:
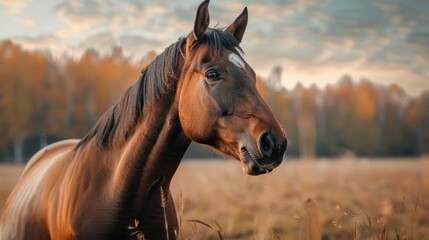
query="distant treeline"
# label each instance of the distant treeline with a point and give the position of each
(357, 118)
(44, 100)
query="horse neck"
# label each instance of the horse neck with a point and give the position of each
(152, 153)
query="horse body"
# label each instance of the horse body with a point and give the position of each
(100, 203)
(199, 89)
(121, 184)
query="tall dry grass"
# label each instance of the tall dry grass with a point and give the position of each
(373, 200)
(385, 199)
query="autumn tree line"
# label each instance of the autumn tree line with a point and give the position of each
(43, 100)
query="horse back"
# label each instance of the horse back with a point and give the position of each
(24, 207)
(50, 150)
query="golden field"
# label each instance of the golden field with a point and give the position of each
(364, 199)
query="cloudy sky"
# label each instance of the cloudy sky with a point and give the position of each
(314, 41)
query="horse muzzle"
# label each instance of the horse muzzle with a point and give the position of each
(262, 156)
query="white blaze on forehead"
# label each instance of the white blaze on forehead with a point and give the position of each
(236, 60)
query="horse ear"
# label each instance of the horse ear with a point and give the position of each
(238, 27)
(202, 20)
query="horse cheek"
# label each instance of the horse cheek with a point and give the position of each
(188, 116)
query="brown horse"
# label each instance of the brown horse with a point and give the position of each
(199, 89)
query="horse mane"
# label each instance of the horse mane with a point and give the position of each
(120, 120)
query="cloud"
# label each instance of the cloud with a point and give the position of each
(148, 20)
(39, 41)
(14, 6)
(27, 22)
(48, 42)
(419, 40)
(78, 17)
(305, 36)
(347, 31)
(138, 46)
(104, 40)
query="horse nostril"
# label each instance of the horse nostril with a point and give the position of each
(266, 144)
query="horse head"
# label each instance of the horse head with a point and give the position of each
(219, 104)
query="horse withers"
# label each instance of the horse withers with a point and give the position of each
(199, 89)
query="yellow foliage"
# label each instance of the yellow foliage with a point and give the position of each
(364, 106)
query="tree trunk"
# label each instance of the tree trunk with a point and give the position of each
(43, 139)
(18, 149)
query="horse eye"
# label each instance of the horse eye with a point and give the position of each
(212, 76)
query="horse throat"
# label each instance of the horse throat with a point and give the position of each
(150, 159)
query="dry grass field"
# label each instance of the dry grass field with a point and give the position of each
(383, 199)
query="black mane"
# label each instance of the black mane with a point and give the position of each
(119, 122)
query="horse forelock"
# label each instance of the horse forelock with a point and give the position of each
(216, 39)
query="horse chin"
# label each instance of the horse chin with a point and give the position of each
(250, 165)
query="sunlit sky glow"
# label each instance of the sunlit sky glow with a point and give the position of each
(386, 41)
